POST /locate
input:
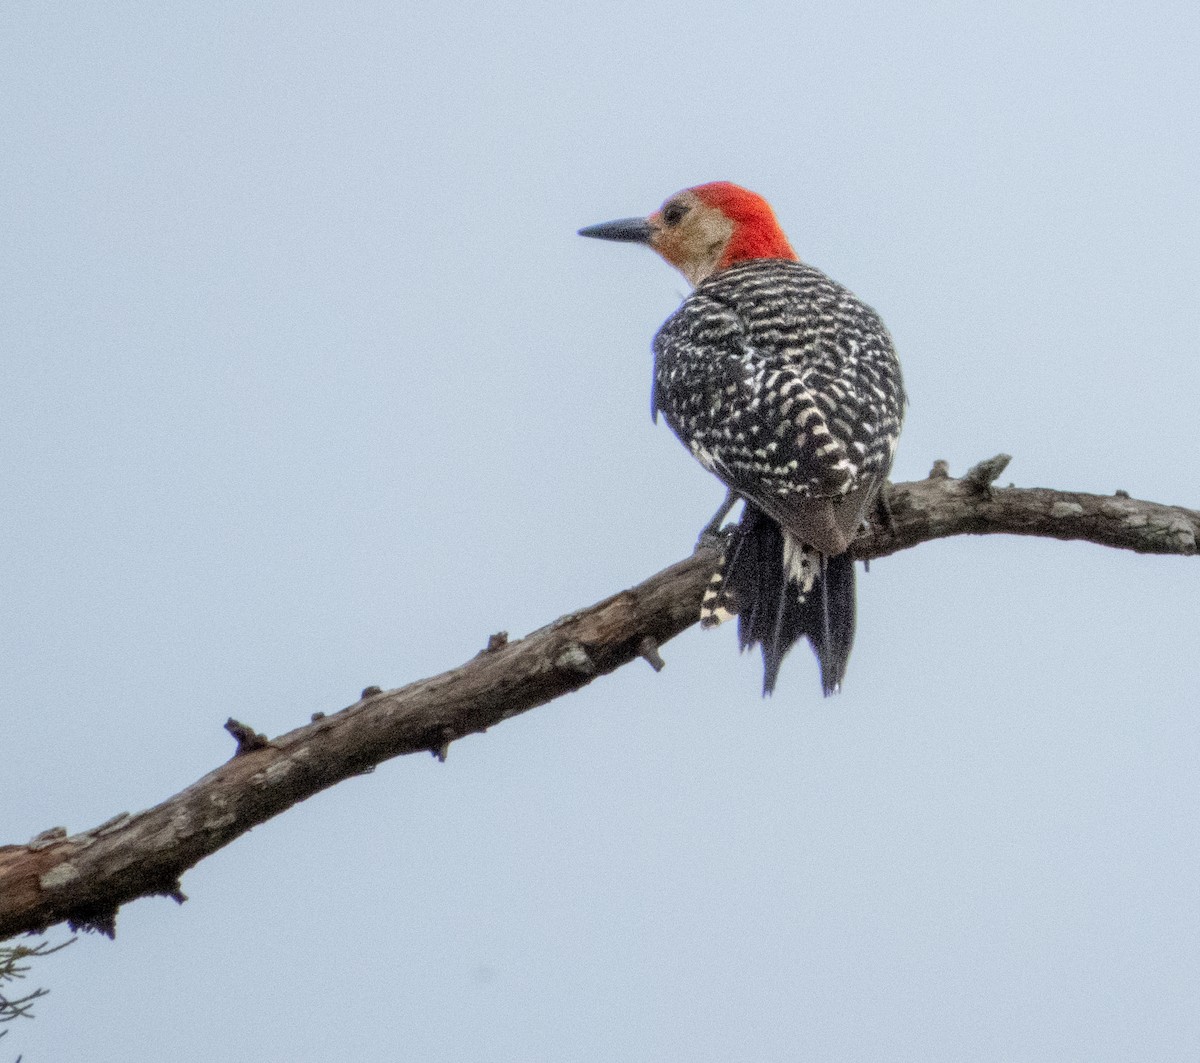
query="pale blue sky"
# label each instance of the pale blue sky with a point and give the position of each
(308, 384)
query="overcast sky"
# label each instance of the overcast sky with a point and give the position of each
(308, 385)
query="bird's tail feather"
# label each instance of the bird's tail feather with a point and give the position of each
(783, 591)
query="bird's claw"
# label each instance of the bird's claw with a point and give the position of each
(714, 538)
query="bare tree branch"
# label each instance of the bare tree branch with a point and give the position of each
(84, 878)
(941, 506)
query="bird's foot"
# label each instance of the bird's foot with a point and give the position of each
(712, 534)
(883, 511)
(714, 538)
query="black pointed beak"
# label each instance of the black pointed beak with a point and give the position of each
(627, 230)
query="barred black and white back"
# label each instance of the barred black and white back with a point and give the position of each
(786, 387)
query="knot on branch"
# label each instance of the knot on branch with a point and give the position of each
(648, 651)
(980, 477)
(246, 737)
(46, 838)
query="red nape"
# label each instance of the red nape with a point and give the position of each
(756, 233)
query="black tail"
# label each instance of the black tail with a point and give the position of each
(783, 592)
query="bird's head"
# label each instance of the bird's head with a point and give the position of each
(704, 229)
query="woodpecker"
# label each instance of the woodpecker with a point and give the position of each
(785, 387)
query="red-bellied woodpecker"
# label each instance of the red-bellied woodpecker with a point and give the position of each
(786, 388)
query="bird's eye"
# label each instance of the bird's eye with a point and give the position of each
(673, 213)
